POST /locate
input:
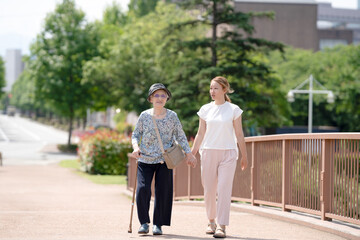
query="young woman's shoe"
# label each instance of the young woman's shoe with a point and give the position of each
(219, 233)
(211, 228)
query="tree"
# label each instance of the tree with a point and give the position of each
(2, 76)
(113, 15)
(231, 51)
(23, 91)
(97, 72)
(140, 8)
(147, 50)
(136, 58)
(59, 54)
(337, 69)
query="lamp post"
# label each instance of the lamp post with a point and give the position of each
(310, 91)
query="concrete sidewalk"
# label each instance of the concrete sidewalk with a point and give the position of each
(51, 202)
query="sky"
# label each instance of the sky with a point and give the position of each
(22, 20)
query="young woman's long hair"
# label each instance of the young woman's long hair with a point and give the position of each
(225, 85)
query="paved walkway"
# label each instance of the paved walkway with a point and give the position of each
(50, 202)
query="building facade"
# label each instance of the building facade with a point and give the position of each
(304, 24)
(14, 66)
(294, 23)
(337, 26)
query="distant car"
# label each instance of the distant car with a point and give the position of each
(10, 111)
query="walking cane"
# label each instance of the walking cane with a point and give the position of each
(133, 197)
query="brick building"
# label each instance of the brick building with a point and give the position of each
(304, 24)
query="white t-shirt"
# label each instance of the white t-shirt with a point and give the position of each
(219, 119)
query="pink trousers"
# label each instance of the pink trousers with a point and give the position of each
(217, 175)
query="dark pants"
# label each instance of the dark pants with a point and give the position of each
(163, 193)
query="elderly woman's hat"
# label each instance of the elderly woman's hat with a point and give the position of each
(158, 86)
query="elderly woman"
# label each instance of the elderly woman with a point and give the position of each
(151, 162)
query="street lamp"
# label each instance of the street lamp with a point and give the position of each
(311, 91)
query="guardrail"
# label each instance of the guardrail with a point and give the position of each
(311, 173)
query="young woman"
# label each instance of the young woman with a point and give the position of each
(219, 133)
(150, 160)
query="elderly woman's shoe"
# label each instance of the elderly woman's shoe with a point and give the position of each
(144, 229)
(157, 230)
(219, 233)
(211, 228)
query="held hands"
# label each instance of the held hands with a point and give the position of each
(136, 153)
(191, 160)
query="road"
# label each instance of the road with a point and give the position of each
(24, 142)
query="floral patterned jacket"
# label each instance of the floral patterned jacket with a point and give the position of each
(144, 135)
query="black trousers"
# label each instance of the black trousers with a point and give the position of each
(163, 193)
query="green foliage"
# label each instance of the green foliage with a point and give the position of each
(98, 179)
(23, 90)
(72, 148)
(147, 50)
(3, 101)
(138, 58)
(140, 8)
(104, 152)
(98, 73)
(114, 15)
(75, 65)
(58, 54)
(2, 76)
(121, 125)
(70, 164)
(233, 53)
(337, 69)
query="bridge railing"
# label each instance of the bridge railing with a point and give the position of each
(311, 173)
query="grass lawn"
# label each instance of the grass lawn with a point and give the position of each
(99, 179)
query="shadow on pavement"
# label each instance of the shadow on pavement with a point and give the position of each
(176, 236)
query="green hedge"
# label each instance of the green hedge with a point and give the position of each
(72, 148)
(104, 152)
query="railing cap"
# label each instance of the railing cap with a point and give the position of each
(350, 135)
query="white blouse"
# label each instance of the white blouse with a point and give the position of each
(220, 133)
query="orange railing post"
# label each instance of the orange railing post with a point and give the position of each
(254, 179)
(325, 198)
(189, 182)
(286, 175)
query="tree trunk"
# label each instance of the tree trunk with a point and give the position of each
(84, 123)
(213, 41)
(71, 119)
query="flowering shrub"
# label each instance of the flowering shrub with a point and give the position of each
(104, 152)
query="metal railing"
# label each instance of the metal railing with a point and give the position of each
(311, 173)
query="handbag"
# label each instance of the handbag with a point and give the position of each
(174, 155)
